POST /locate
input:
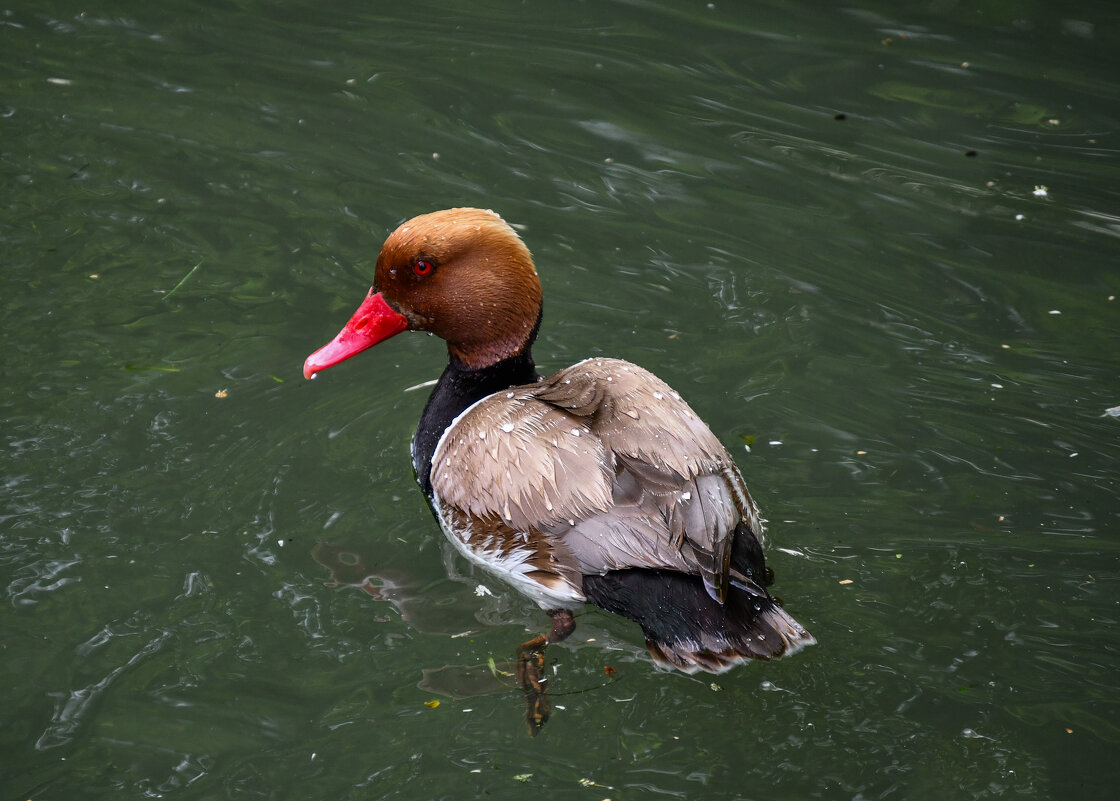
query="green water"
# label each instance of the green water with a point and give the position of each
(819, 223)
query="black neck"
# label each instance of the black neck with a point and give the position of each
(458, 388)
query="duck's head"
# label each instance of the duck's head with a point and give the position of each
(461, 274)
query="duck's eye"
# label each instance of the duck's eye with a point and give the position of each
(423, 268)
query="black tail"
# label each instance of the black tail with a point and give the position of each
(688, 629)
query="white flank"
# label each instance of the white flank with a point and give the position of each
(511, 566)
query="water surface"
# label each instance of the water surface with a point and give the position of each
(874, 248)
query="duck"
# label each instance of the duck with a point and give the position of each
(596, 485)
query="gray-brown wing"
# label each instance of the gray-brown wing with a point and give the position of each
(606, 459)
(523, 460)
(511, 473)
(676, 491)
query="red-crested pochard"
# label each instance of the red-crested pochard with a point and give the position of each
(596, 484)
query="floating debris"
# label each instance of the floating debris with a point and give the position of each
(156, 367)
(182, 281)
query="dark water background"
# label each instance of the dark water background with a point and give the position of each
(878, 246)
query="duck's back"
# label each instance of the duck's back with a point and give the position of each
(599, 467)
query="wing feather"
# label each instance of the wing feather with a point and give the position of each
(606, 458)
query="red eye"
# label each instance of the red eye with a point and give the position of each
(423, 268)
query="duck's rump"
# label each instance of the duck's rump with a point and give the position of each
(686, 628)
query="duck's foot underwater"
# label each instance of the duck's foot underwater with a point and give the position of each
(530, 668)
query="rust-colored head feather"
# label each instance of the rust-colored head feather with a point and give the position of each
(465, 276)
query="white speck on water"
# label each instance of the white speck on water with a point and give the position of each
(507, 426)
(972, 734)
(775, 442)
(1040, 191)
(1055, 311)
(997, 386)
(482, 590)
(1019, 218)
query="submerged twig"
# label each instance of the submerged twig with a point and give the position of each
(182, 281)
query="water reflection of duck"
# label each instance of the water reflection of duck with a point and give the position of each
(596, 484)
(348, 566)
